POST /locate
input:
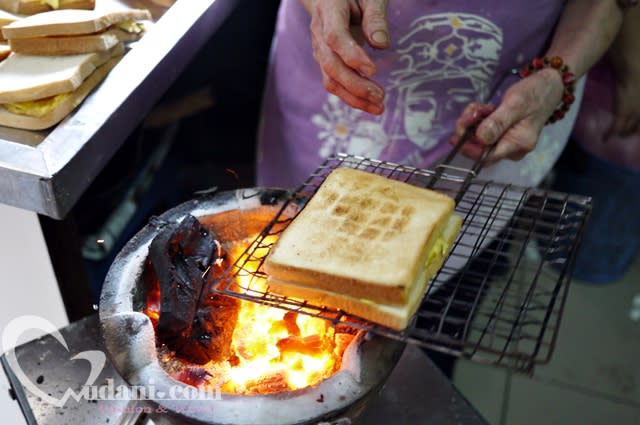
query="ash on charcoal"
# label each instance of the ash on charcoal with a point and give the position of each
(187, 259)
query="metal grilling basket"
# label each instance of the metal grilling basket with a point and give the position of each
(498, 298)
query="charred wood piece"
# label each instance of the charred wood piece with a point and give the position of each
(185, 256)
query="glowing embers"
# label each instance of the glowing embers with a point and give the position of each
(271, 350)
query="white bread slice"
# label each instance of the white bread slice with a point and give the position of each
(361, 235)
(5, 19)
(72, 45)
(26, 77)
(30, 7)
(71, 22)
(394, 317)
(64, 108)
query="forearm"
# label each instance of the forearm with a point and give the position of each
(625, 51)
(584, 33)
(306, 4)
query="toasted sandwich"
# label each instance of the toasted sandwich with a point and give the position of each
(37, 92)
(365, 244)
(31, 7)
(70, 32)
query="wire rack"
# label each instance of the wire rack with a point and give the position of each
(498, 298)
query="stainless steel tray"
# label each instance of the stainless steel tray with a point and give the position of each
(47, 171)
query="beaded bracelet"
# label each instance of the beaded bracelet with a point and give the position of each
(568, 79)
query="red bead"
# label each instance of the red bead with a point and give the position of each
(555, 62)
(568, 78)
(537, 63)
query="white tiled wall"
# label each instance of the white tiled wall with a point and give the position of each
(28, 286)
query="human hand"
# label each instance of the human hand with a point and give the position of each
(515, 125)
(337, 30)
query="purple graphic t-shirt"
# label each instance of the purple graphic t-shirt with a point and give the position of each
(444, 54)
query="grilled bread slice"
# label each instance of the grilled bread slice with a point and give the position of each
(364, 239)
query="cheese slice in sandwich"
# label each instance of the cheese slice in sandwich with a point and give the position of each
(39, 113)
(365, 244)
(30, 7)
(72, 22)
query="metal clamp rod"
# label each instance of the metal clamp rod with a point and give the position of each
(470, 173)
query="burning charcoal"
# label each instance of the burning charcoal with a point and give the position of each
(194, 376)
(290, 320)
(342, 341)
(287, 324)
(190, 320)
(270, 383)
(311, 345)
(212, 330)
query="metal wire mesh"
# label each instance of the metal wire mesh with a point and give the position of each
(499, 296)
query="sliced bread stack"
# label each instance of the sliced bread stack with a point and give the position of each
(57, 59)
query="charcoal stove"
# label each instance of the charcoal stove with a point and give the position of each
(131, 343)
(512, 322)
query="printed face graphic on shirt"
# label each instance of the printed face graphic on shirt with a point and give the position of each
(426, 104)
(443, 62)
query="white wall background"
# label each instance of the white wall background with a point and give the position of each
(27, 286)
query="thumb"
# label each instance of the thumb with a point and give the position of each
(495, 125)
(374, 23)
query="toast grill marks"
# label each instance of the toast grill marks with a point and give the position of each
(381, 231)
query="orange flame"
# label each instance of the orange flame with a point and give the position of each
(275, 350)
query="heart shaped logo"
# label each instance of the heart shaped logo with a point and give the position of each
(12, 333)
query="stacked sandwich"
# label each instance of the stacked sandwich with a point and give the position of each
(365, 244)
(57, 59)
(31, 7)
